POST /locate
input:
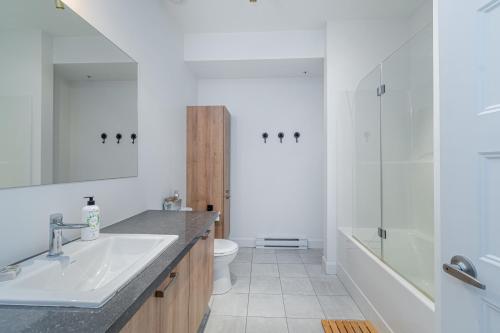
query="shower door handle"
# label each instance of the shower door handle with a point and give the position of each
(462, 268)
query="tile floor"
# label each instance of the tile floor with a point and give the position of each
(279, 291)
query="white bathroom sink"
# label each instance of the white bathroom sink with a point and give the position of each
(87, 274)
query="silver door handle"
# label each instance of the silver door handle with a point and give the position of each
(463, 269)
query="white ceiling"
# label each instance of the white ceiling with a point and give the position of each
(43, 15)
(196, 16)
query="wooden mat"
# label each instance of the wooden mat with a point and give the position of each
(348, 326)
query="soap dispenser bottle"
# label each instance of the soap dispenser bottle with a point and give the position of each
(91, 215)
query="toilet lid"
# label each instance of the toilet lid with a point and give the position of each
(224, 247)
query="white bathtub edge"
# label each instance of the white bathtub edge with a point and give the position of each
(421, 296)
(364, 304)
(393, 304)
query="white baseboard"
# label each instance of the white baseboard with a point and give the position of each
(312, 243)
(362, 301)
(330, 267)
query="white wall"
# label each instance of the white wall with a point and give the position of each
(254, 45)
(255, 54)
(21, 68)
(165, 88)
(89, 109)
(276, 189)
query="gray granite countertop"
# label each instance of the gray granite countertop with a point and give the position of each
(121, 307)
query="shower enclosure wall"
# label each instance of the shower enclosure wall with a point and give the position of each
(393, 162)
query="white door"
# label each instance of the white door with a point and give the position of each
(468, 176)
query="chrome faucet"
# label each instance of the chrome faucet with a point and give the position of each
(55, 233)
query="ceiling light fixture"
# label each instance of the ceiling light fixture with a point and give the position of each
(253, 1)
(59, 4)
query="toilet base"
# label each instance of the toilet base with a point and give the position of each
(222, 280)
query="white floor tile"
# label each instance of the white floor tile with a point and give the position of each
(311, 258)
(297, 306)
(261, 305)
(230, 305)
(264, 258)
(264, 251)
(241, 284)
(297, 286)
(285, 258)
(340, 307)
(316, 252)
(315, 270)
(279, 291)
(246, 250)
(244, 257)
(225, 324)
(287, 251)
(304, 325)
(240, 268)
(328, 286)
(266, 325)
(292, 270)
(265, 270)
(265, 285)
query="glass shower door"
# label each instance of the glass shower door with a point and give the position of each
(407, 161)
(367, 182)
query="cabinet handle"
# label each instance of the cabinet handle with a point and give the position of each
(205, 236)
(161, 293)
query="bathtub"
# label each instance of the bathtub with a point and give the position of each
(390, 301)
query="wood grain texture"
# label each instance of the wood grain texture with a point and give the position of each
(348, 326)
(207, 164)
(145, 320)
(198, 268)
(210, 261)
(174, 306)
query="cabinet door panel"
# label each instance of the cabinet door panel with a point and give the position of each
(174, 305)
(145, 319)
(201, 278)
(198, 271)
(209, 243)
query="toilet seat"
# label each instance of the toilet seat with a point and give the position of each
(224, 247)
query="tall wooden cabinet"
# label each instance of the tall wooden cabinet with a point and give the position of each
(208, 147)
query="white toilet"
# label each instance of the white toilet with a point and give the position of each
(224, 253)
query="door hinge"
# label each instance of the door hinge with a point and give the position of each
(381, 90)
(382, 233)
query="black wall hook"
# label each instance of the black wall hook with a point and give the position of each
(118, 138)
(296, 135)
(104, 136)
(265, 136)
(133, 137)
(281, 135)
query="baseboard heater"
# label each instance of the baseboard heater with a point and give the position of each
(282, 243)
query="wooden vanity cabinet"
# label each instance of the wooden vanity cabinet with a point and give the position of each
(208, 149)
(201, 279)
(179, 304)
(145, 320)
(174, 305)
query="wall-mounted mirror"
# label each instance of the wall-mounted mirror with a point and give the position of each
(62, 85)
